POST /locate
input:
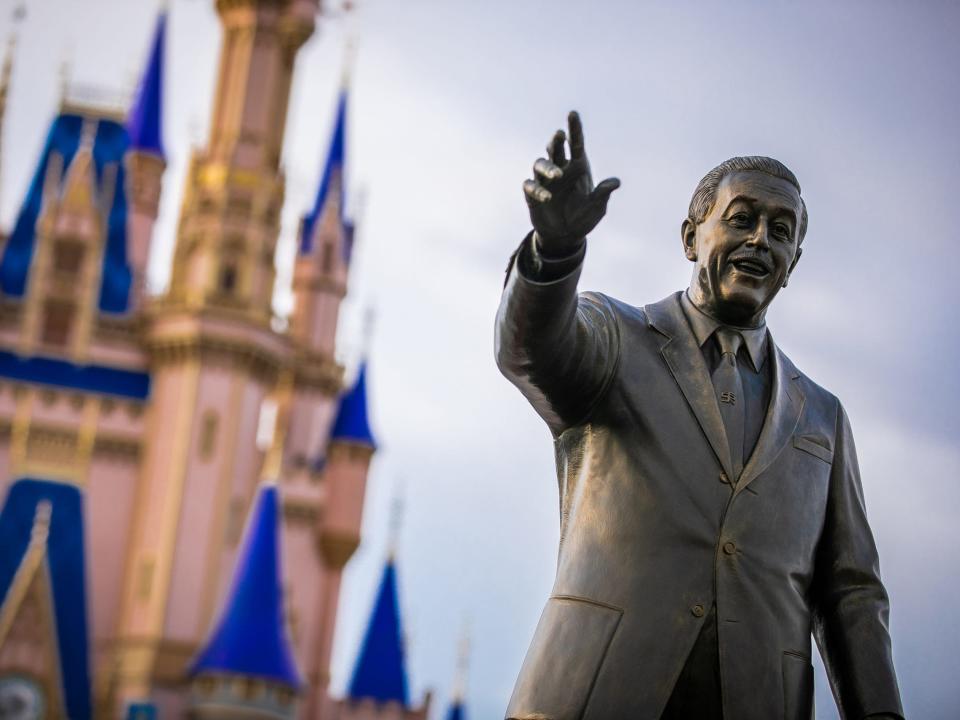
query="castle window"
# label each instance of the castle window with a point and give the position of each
(327, 260)
(67, 257)
(57, 323)
(228, 278)
(208, 434)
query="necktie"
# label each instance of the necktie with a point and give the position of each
(729, 389)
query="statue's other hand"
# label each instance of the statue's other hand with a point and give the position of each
(564, 204)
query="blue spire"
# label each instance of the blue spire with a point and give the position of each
(251, 637)
(336, 159)
(351, 423)
(380, 673)
(145, 122)
(65, 557)
(457, 711)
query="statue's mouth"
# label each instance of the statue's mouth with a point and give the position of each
(751, 266)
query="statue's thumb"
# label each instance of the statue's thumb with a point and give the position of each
(601, 193)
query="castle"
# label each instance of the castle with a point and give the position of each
(181, 478)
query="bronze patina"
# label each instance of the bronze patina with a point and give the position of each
(712, 514)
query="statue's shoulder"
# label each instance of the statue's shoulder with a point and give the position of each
(814, 393)
(633, 314)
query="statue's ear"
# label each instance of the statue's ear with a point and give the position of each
(688, 236)
(796, 259)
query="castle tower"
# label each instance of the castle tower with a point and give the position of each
(246, 667)
(321, 532)
(231, 211)
(319, 285)
(378, 687)
(214, 359)
(146, 160)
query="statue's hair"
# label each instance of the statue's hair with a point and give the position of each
(706, 192)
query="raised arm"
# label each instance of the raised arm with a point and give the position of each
(558, 349)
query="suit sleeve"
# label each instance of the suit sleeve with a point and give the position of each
(852, 609)
(559, 348)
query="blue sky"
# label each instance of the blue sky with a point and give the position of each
(452, 103)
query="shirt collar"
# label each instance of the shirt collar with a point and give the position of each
(704, 326)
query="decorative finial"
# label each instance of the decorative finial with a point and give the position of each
(396, 520)
(463, 659)
(349, 57)
(366, 332)
(66, 71)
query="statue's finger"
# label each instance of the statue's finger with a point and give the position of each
(555, 149)
(576, 135)
(535, 192)
(546, 171)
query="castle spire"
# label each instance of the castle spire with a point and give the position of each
(330, 191)
(380, 673)
(352, 423)
(251, 637)
(145, 121)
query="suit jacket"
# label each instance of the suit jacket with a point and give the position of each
(653, 532)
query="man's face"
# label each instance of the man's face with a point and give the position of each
(745, 248)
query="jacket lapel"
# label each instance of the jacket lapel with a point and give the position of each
(783, 414)
(685, 360)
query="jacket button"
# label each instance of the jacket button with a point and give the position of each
(724, 479)
(697, 610)
(729, 547)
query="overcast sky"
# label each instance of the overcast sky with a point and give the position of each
(452, 102)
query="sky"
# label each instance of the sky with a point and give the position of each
(452, 101)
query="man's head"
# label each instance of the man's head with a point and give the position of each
(743, 233)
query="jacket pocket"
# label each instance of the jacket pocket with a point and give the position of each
(814, 448)
(797, 686)
(563, 661)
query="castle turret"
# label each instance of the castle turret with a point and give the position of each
(146, 160)
(230, 217)
(378, 687)
(320, 273)
(246, 666)
(324, 508)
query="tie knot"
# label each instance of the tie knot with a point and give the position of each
(729, 341)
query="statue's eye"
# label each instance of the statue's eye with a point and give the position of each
(740, 219)
(782, 231)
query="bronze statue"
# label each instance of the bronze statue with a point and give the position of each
(711, 510)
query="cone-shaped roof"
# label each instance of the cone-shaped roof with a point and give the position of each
(332, 177)
(250, 637)
(66, 562)
(352, 423)
(380, 673)
(145, 122)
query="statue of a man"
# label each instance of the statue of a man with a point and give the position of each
(711, 510)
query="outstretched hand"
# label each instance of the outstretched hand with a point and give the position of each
(564, 204)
